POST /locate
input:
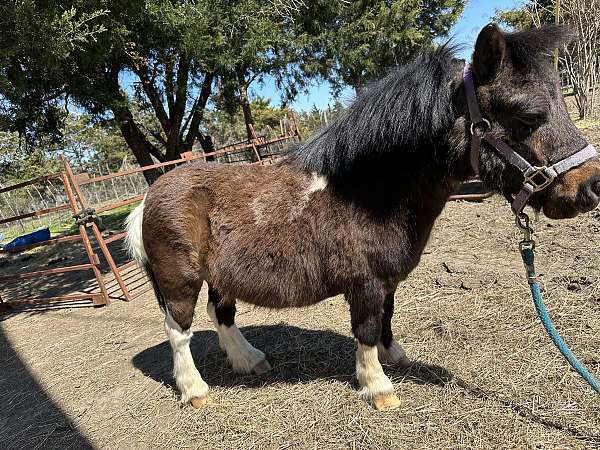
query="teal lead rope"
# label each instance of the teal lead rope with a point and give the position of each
(527, 247)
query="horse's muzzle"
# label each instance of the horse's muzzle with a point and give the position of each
(560, 205)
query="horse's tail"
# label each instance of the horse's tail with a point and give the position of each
(134, 241)
(135, 247)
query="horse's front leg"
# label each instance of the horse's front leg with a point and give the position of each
(389, 351)
(366, 310)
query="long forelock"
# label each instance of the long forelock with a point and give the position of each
(401, 113)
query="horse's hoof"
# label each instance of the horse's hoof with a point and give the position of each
(200, 402)
(262, 367)
(386, 402)
(403, 363)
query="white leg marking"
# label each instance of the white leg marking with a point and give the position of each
(243, 357)
(394, 355)
(188, 379)
(372, 380)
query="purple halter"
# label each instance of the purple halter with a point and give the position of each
(535, 178)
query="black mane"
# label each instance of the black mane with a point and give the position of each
(398, 116)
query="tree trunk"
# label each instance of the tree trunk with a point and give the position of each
(207, 145)
(248, 119)
(198, 113)
(137, 142)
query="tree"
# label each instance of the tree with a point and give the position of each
(152, 65)
(88, 144)
(362, 39)
(227, 129)
(581, 59)
(35, 45)
(529, 14)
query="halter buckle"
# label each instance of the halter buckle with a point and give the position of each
(538, 177)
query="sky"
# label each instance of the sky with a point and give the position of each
(476, 15)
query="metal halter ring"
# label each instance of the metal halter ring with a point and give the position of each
(474, 126)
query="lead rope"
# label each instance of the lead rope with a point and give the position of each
(527, 247)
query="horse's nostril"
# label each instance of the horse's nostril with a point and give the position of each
(596, 188)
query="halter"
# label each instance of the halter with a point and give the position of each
(534, 178)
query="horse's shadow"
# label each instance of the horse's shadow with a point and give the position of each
(296, 355)
(299, 355)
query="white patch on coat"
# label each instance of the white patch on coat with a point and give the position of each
(258, 207)
(370, 374)
(187, 378)
(317, 183)
(244, 358)
(134, 241)
(268, 207)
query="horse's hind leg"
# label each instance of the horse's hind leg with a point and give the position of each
(178, 304)
(366, 310)
(244, 358)
(389, 351)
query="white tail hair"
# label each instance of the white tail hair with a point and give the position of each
(134, 241)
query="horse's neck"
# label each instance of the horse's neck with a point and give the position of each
(410, 205)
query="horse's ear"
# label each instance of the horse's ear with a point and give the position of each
(490, 52)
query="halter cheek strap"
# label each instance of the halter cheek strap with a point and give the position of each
(534, 178)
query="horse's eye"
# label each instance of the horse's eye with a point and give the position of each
(531, 118)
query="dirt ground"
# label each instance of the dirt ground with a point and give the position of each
(485, 374)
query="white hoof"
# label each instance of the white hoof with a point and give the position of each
(193, 391)
(386, 402)
(247, 360)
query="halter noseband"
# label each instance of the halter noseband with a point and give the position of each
(535, 178)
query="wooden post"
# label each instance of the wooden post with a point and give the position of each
(94, 261)
(296, 126)
(97, 234)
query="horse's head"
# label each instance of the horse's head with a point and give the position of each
(519, 93)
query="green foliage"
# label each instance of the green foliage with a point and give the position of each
(88, 144)
(149, 67)
(36, 42)
(359, 40)
(528, 14)
(226, 128)
(315, 118)
(18, 164)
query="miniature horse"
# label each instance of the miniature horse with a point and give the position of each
(350, 211)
